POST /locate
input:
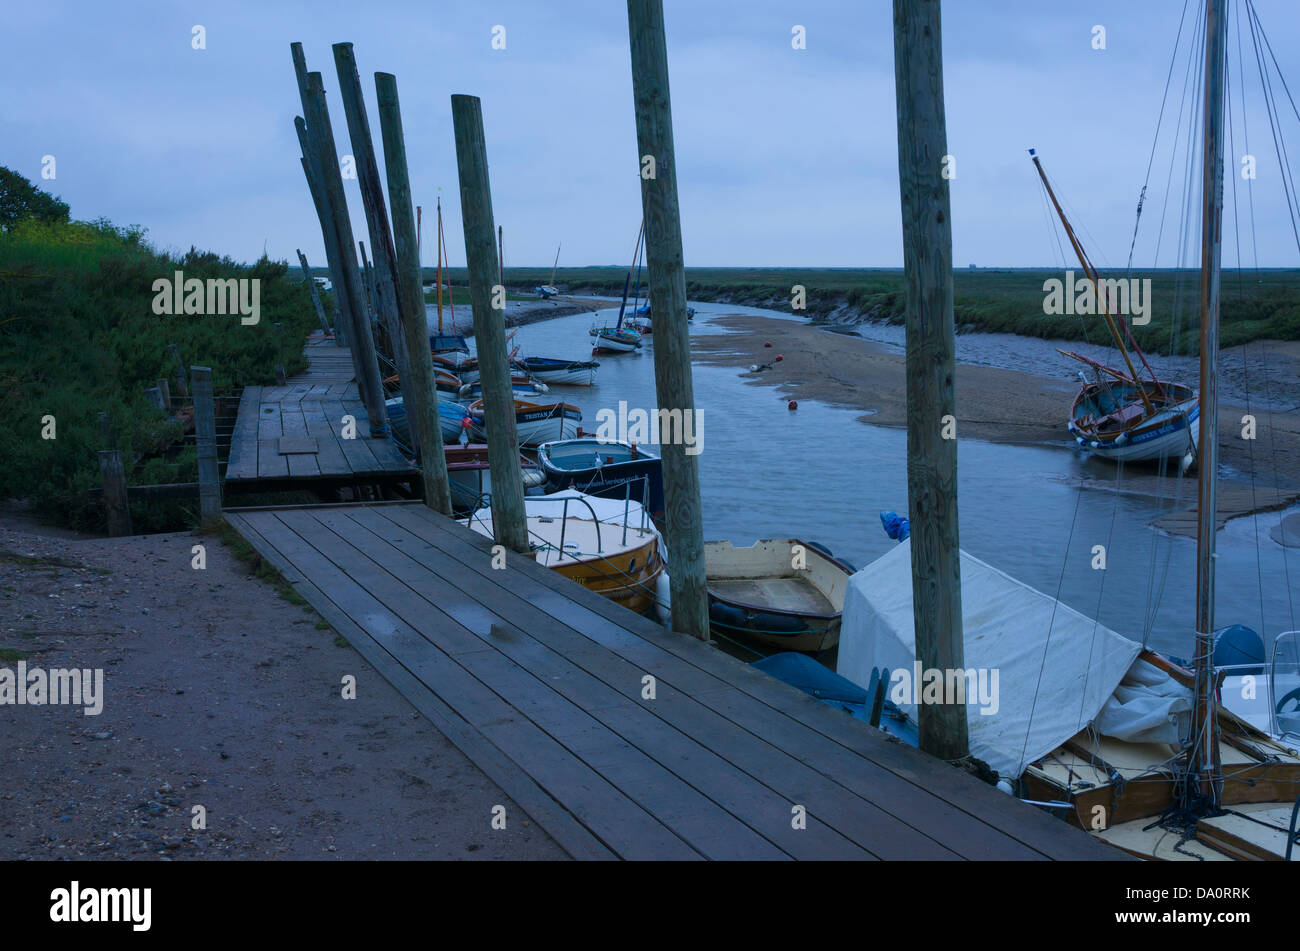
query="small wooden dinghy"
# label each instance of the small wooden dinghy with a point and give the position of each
(524, 387)
(784, 593)
(566, 372)
(536, 422)
(606, 546)
(615, 340)
(471, 476)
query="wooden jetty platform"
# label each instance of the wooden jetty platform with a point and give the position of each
(544, 685)
(294, 433)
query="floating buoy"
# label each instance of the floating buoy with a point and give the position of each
(767, 343)
(778, 358)
(753, 368)
(792, 405)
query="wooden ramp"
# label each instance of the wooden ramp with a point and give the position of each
(544, 685)
(295, 433)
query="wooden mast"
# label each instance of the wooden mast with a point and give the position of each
(1205, 780)
(1091, 273)
(931, 346)
(555, 265)
(439, 265)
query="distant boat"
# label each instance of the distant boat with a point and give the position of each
(536, 422)
(615, 340)
(524, 388)
(756, 593)
(549, 290)
(471, 476)
(566, 372)
(451, 414)
(1119, 415)
(604, 545)
(610, 470)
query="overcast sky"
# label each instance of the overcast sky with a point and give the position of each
(785, 157)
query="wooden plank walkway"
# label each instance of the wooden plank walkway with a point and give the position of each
(541, 683)
(295, 432)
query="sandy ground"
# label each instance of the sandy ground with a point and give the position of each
(219, 693)
(1002, 405)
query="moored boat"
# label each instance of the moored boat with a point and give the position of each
(471, 476)
(783, 593)
(607, 547)
(537, 422)
(524, 387)
(611, 470)
(566, 372)
(1109, 419)
(451, 414)
(615, 340)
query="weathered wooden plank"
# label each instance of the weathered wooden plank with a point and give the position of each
(610, 815)
(642, 641)
(329, 456)
(559, 823)
(861, 782)
(355, 451)
(243, 441)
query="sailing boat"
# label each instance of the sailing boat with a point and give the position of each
(549, 290)
(618, 339)
(446, 347)
(1117, 415)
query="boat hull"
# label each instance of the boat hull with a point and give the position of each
(450, 414)
(562, 372)
(609, 340)
(754, 594)
(623, 473)
(535, 423)
(1171, 433)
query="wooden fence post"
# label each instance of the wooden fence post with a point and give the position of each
(165, 391)
(673, 385)
(115, 501)
(205, 431)
(931, 404)
(509, 524)
(419, 391)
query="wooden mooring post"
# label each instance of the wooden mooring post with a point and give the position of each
(418, 389)
(931, 404)
(384, 278)
(113, 478)
(205, 432)
(673, 386)
(329, 236)
(315, 294)
(325, 162)
(509, 524)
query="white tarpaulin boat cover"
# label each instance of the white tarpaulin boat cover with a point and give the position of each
(1056, 668)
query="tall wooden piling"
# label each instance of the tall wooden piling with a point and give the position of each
(931, 404)
(509, 525)
(673, 386)
(325, 162)
(419, 391)
(384, 276)
(205, 432)
(113, 479)
(329, 236)
(315, 294)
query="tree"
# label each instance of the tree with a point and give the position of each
(20, 199)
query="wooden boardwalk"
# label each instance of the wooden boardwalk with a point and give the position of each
(295, 432)
(543, 684)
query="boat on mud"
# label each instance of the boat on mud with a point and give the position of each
(563, 372)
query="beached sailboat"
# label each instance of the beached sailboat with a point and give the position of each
(1119, 415)
(612, 470)
(565, 372)
(607, 546)
(549, 290)
(620, 339)
(537, 422)
(758, 593)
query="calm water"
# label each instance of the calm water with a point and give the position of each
(819, 474)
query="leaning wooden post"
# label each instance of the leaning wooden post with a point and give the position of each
(113, 479)
(329, 236)
(931, 404)
(205, 431)
(165, 391)
(315, 294)
(509, 525)
(673, 386)
(325, 161)
(384, 276)
(182, 388)
(418, 390)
